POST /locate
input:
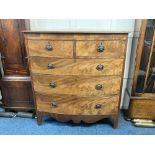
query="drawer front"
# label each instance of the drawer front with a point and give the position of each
(77, 85)
(101, 49)
(56, 66)
(50, 48)
(67, 104)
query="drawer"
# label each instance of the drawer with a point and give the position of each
(77, 85)
(57, 66)
(101, 49)
(73, 105)
(50, 48)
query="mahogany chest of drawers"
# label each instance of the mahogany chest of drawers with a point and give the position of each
(76, 76)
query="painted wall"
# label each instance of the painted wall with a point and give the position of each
(131, 69)
(126, 25)
(110, 25)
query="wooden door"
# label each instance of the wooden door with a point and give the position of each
(12, 47)
(142, 101)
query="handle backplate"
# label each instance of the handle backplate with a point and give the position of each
(54, 104)
(50, 66)
(98, 106)
(49, 47)
(100, 48)
(98, 87)
(100, 67)
(52, 84)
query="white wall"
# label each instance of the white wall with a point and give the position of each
(110, 25)
(126, 25)
(132, 62)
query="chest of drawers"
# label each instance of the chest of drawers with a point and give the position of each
(76, 76)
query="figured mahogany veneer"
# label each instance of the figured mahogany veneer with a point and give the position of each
(64, 49)
(76, 85)
(112, 49)
(76, 66)
(57, 49)
(74, 105)
(76, 76)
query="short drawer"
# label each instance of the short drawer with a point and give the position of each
(76, 85)
(50, 48)
(101, 49)
(73, 105)
(55, 66)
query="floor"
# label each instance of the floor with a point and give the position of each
(28, 126)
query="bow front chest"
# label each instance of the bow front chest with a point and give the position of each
(76, 76)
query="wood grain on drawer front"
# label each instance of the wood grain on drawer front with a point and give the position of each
(76, 85)
(112, 49)
(67, 104)
(77, 66)
(59, 48)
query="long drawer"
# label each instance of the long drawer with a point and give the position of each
(73, 105)
(55, 66)
(76, 85)
(101, 49)
(50, 48)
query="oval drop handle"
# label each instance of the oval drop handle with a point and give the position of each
(100, 67)
(49, 47)
(98, 87)
(52, 84)
(98, 106)
(100, 48)
(50, 66)
(54, 104)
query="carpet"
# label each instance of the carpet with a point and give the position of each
(28, 126)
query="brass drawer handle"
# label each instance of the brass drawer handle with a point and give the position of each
(100, 48)
(98, 87)
(100, 67)
(54, 104)
(49, 47)
(52, 84)
(50, 66)
(98, 106)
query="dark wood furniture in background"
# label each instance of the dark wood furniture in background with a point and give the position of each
(142, 103)
(17, 93)
(77, 76)
(12, 47)
(15, 82)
